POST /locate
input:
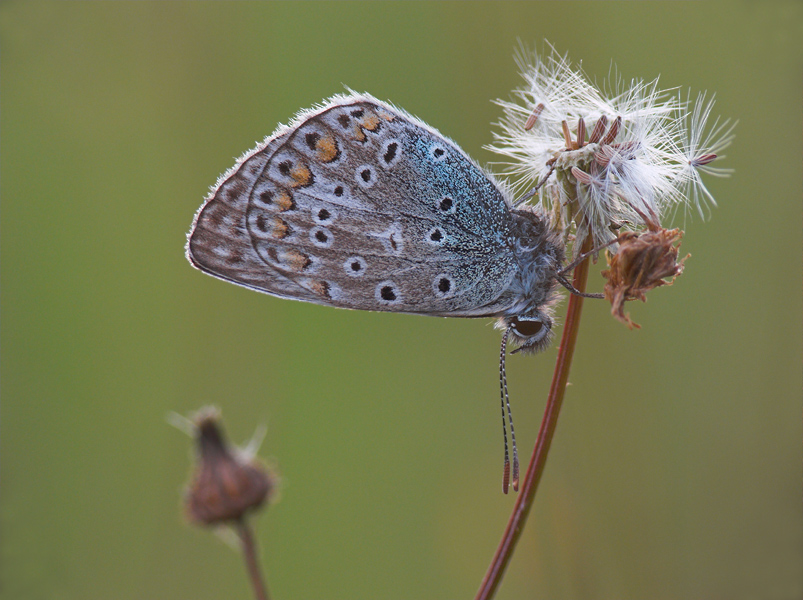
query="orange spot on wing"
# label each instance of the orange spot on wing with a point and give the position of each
(327, 148)
(321, 288)
(280, 228)
(370, 122)
(297, 261)
(359, 134)
(284, 201)
(301, 175)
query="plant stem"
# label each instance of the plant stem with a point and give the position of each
(251, 563)
(515, 525)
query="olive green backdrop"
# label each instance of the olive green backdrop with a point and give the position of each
(676, 468)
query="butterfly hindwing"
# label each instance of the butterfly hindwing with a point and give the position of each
(360, 206)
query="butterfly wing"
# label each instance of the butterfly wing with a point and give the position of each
(358, 205)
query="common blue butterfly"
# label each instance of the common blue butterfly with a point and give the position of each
(357, 204)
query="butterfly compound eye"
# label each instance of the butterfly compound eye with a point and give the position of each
(532, 332)
(527, 329)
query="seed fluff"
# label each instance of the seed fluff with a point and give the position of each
(606, 156)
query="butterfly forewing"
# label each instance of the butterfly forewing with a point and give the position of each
(360, 206)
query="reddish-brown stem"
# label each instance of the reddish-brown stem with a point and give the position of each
(251, 563)
(515, 525)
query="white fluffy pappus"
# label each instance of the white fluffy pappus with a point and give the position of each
(611, 154)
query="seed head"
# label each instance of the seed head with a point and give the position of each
(226, 483)
(642, 262)
(604, 156)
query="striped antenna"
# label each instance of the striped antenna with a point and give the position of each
(505, 401)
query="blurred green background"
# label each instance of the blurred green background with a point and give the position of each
(676, 468)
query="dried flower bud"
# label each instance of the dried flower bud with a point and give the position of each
(643, 261)
(226, 484)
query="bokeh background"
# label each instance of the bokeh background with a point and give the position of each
(676, 468)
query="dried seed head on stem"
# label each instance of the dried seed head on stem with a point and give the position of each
(644, 156)
(226, 484)
(642, 262)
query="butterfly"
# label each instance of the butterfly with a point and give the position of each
(357, 204)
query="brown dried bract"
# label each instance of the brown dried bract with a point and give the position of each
(644, 261)
(225, 484)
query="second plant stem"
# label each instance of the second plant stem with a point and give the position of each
(515, 526)
(250, 555)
